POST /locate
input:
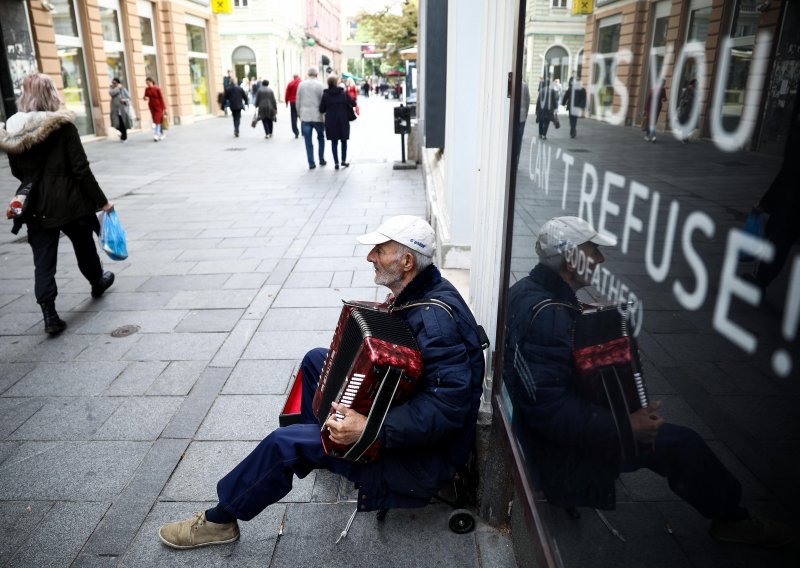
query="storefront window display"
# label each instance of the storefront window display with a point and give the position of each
(149, 50)
(19, 52)
(73, 67)
(198, 67)
(711, 301)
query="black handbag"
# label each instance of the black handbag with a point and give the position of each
(351, 113)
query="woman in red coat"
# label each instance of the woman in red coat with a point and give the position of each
(352, 90)
(155, 100)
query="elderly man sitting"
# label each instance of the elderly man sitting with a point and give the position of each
(424, 440)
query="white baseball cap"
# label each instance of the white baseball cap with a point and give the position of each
(560, 234)
(413, 232)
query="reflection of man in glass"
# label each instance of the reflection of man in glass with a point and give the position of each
(571, 444)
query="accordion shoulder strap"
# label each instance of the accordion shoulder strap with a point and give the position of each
(426, 302)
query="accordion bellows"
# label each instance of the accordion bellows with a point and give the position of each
(608, 369)
(373, 363)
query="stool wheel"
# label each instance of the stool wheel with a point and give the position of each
(461, 521)
(382, 514)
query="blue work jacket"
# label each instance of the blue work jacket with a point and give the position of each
(427, 438)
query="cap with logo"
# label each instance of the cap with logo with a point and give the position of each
(408, 230)
(560, 234)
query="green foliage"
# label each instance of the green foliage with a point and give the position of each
(391, 32)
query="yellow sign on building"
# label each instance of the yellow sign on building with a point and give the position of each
(579, 7)
(222, 6)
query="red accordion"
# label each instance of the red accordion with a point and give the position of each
(608, 368)
(373, 363)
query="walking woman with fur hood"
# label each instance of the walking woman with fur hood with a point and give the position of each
(45, 151)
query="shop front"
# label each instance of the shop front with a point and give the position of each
(689, 270)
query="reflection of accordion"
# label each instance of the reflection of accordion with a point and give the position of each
(373, 363)
(608, 368)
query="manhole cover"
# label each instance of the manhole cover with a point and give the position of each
(125, 331)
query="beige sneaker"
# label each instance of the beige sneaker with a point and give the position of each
(754, 531)
(197, 531)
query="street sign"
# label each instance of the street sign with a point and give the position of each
(222, 6)
(580, 7)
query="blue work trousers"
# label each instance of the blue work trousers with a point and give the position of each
(265, 476)
(308, 129)
(693, 472)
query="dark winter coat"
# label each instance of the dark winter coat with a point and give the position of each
(569, 443)
(546, 102)
(266, 104)
(334, 105)
(45, 147)
(430, 436)
(236, 97)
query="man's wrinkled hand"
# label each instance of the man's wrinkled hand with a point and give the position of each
(646, 422)
(347, 430)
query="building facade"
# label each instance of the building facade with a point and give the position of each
(264, 39)
(712, 41)
(554, 40)
(83, 44)
(323, 36)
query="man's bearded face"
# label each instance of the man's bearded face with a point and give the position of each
(386, 260)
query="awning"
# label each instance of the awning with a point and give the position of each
(353, 77)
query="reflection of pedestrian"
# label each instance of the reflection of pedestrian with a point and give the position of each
(575, 101)
(309, 95)
(782, 203)
(334, 105)
(267, 107)
(120, 108)
(546, 105)
(524, 109)
(237, 99)
(648, 123)
(685, 104)
(155, 101)
(291, 101)
(44, 148)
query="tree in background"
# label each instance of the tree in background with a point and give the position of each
(392, 31)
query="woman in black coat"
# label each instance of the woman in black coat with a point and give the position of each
(336, 104)
(44, 149)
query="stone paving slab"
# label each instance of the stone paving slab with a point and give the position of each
(260, 377)
(60, 536)
(85, 470)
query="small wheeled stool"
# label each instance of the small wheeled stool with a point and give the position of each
(461, 492)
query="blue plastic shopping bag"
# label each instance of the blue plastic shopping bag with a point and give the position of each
(113, 237)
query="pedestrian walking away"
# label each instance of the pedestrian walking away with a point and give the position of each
(309, 96)
(352, 90)
(45, 153)
(575, 101)
(546, 107)
(155, 101)
(577, 442)
(425, 440)
(266, 107)
(227, 81)
(237, 98)
(337, 105)
(120, 108)
(291, 102)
